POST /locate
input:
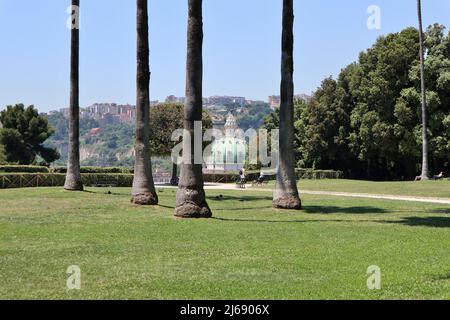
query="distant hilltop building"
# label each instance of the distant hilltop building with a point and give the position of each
(224, 100)
(214, 100)
(109, 113)
(275, 101)
(174, 99)
(255, 102)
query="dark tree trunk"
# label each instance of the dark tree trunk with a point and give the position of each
(174, 179)
(143, 192)
(191, 199)
(286, 194)
(73, 177)
(425, 173)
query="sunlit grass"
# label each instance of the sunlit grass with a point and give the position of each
(421, 188)
(248, 251)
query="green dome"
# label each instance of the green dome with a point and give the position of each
(228, 153)
(228, 150)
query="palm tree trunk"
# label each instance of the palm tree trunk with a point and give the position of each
(174, 179)
(191, 199)
(286, 194)
(425, 172)
(73, 177)
(143, 192)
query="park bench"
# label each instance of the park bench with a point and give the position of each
(258, 183)
(105, 181)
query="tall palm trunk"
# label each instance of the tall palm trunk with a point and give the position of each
(174, 179)
(143, 192)
(73, 177)
(191, 199)
(425, 173)
(286, 194)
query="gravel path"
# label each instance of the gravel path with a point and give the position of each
(219, 186)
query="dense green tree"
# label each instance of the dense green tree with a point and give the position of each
(255, 116)
(368, 122)
(166, 118)
(23, 134)
(325, 123)
(3, 159)
(378, 79)
(272, 122)
(409, 105)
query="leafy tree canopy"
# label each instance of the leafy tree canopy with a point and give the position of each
(2, 155)
(165, 118)
(367, 122)
(23, 135)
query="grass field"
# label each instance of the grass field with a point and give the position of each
(248, 251)
(424, 188)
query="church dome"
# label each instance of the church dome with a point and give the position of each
(228, 153)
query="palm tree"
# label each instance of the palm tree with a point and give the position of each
(143, 192)
(191, 200)
(425, 173)
(73, 177)
(286, 194)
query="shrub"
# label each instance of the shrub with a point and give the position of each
(107, 179)
(26, 180)
(229, 177)
(23, 169)
(96, 170)
(318, 174)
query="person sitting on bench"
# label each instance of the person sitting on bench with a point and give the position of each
(261, 178)
(440, 176)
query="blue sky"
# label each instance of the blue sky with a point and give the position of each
(241, 49)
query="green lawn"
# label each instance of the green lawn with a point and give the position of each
(248, 251)
(424, 188)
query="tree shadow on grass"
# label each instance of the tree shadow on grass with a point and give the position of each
(242, 209)
(318, 209)
(89, 191)
(262, 220)
(104, 191)
(246, 198)
(432, 222)
(283, 221)
(444, 211)
(340, 210)
(442, 277)
(166, 206)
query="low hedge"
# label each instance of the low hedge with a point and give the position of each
(42, 169)
(23, 180)
(27, 180)
(227, 177)
(233, 176)
(318, 174)
(95, 170)
(23, 169)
